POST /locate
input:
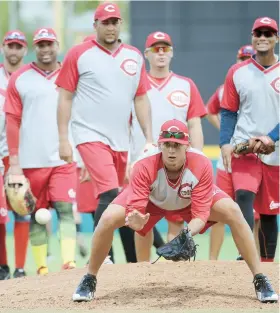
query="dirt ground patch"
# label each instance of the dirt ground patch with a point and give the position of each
(195, 287)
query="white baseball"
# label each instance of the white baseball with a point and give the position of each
(43, 216)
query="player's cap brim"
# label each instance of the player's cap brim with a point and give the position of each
(104, 18)
(20, 42)
(44, 39)
(180, 141)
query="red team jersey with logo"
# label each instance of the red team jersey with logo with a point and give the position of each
(104, 86)
(254, 92)
(176, 97)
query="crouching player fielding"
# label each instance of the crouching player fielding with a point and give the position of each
(176, 180)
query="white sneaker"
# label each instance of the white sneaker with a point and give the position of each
(108, 260)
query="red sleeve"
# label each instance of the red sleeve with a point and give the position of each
(139, 188)
(68, 76)
(202, 194)
(144, 84)
(213, 105)
(13, 104)
(230, 100)
(12, 130)
(196, 107)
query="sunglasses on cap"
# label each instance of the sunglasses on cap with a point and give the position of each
(267, 33)
(160, 49)
(15, 36)
(177, 135)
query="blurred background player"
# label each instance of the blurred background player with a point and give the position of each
(31, 110)
(250, 108)
(171, 96)
(14, 49)
(223, 179)
(115, 78)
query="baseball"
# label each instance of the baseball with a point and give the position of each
(42, 216)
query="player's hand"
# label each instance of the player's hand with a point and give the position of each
(136, 220)
(15, 170)
(65, 151)
(227, 151)
(149, 146)
(84, 176)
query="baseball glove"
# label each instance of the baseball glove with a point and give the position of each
(19, 194)
(181, 248)
(259, 145)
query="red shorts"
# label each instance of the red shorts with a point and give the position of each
(267, 198)
(224, 182)
(53, 184)
(106, 167)
(3, 205)
(156, 214)
(249, 173)
(86, 201)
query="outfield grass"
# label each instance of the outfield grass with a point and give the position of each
(228, 252)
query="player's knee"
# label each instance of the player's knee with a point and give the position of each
(64, 211)
(37, 233)
(232, 212)
(113, 217)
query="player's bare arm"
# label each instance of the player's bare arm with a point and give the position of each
(143, 113)
(63, 118)
(196, 225)
(214, 120)
(196, 134)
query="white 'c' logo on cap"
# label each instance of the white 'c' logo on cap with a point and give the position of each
(266, 20)
(159, 35)
(15, 34)
(43, 30)
(109, 8)
(172, 127)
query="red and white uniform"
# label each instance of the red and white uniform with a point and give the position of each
(104, 86)
(253, 91)
(191, 196)
(176, 97)
(85, 196)
(33, 107)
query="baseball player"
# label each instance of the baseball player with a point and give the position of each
(31, 111)
(14, 49)
(223, 179)
(99, 81)
(171, 96)
(252, 89)
(176, 180)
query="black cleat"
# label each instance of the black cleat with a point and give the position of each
(86, 289)
(4, 272)
(19, 272)
(239, 258)
(264, 290)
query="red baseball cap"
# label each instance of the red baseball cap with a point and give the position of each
(44, 34)
(15, 36)
(246, 51)
(157, 37)
(107, 10)
(265, 22)
(89, 38)
(174, 126)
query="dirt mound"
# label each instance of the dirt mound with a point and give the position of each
(163, 287)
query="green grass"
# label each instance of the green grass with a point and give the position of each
(228, 252)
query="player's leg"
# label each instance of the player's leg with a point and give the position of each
(4, 268)
(174, 228)
(143, 246)
(268, 234)
(225, 210)
(112, 219)
(62, 194)
(267, 205)
(256, 230)
(21, 238)
(217, 232)
(38, 179)
(246, 177)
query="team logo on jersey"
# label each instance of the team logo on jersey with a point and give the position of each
(129, 66)
(275, 84)
(274, 205)
(185, 191)
(216, 190)
(72, 193)
(3, 212)
(178, 98)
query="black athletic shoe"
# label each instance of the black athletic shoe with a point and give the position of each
(239, 258)
(86, 289)
(4, 272)
(264, 290)
(19, 272)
